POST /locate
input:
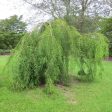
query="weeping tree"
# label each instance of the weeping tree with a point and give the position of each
(42, 57)
(91, 50)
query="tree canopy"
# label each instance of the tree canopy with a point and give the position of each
(42, 56)
(85, 12)
(11, 30)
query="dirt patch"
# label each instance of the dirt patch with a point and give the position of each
(68, 93)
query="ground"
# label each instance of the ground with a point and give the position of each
(79, 97)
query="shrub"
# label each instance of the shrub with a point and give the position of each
(4, 52)
(106, 29)
(92, 48)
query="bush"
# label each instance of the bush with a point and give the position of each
(4, 52)
(93, 48)
(106, 29)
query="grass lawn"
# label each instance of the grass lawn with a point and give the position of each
(79, 97)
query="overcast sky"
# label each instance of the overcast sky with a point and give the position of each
(18, 7)
(11, 7)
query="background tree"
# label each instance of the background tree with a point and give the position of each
(109, 2)
(84, 11)
(11, 31)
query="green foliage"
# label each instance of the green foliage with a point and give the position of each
(92, 48)
(89, 24)
(42, 57)
(50, 88)
(11, 31)
(3, 52)
(106, 29)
